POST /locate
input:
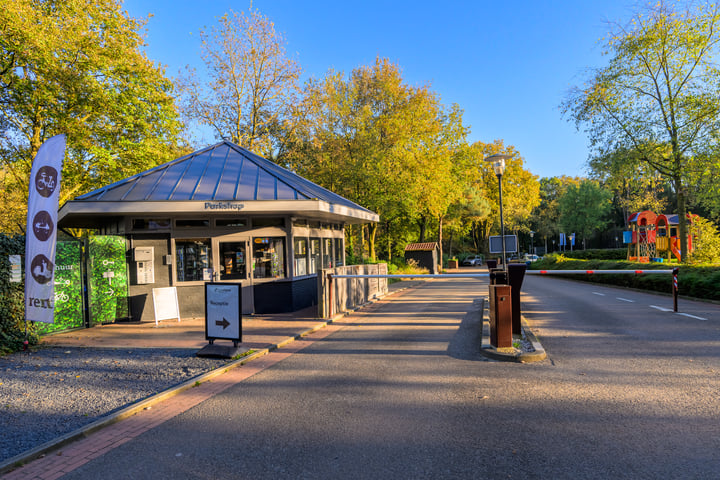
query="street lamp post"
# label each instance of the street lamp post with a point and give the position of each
(532, 246)
(498, 163)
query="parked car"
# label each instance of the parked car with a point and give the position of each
(531, 257)
(472, 260)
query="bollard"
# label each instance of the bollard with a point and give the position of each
(498, 276)
(516, 274)
(500, 316)
(675, 288)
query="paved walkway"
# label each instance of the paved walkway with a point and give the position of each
(272, 337)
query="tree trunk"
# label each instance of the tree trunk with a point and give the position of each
(682, 223)
(422, 223)
(372, 231)
(440, 237)
(361, 247)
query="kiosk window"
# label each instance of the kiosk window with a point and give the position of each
(231, 222)
(268, 257)
(234, 261)
(192, 222)
(150, 223)
(301, 257)
(327, 252)
(268, 222)
(338, 252)
(314, 255)
(194, 260)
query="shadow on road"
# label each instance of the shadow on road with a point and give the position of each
(465, 344)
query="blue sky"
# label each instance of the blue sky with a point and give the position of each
(508, 65)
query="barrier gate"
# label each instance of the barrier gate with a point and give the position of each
(673, 272)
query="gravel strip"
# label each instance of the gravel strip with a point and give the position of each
(53, 391)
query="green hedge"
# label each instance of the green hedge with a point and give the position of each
(693, 281)
(12, 311)
(596, 254)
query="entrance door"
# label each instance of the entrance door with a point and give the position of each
(233, 257)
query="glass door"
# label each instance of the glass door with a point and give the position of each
(233, 258)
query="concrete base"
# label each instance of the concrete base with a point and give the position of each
(220, 351)
(510, 354)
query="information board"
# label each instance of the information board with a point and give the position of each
(223, 306)
(510, 244)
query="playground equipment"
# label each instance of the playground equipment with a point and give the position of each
(652, 237)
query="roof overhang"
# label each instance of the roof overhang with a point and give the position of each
(81, 214)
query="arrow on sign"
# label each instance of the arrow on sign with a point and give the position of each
(224, 323)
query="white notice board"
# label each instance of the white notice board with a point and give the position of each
(166, 305)
(223, 305)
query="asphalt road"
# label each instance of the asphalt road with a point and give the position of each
(627, 391)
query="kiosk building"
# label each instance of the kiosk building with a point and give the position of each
(221, 214)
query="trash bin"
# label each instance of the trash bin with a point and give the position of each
(491, 264)
(516, 275)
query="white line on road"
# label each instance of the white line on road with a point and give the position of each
(598, 293)
(661, 308)
(625, 299)
(692, 316)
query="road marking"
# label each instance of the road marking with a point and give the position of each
(598, 293)
(625, 300)
(692, 316)
(661, 308)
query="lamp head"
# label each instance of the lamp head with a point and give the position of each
(498, 162)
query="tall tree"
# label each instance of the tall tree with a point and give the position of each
(545, 218)
(584, 209)
(77, 67)
(386, 145)
(636, 186)
(252, 85)
(658, 94)
(521, 191)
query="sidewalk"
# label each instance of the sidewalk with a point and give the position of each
(271, 338)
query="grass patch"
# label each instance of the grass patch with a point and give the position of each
(244, 354)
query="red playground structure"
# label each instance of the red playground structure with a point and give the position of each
(652, 238)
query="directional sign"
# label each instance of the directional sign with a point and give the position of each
(223, 319)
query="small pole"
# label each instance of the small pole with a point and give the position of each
(675, 288)
(330, 295)
(26, 342)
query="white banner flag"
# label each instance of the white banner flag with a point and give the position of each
(40, 233)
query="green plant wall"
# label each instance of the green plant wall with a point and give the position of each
(108, 280)
(68, 289)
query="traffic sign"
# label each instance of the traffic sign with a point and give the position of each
(223, 305)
